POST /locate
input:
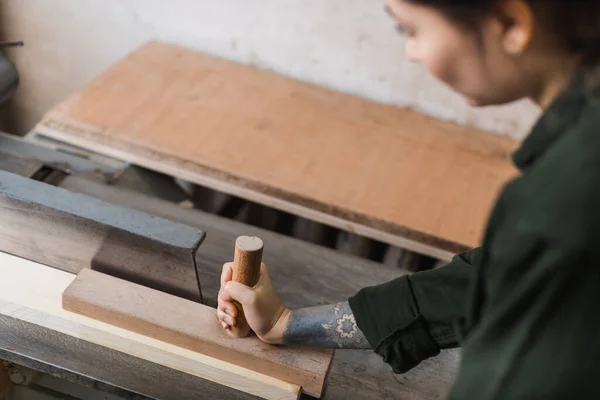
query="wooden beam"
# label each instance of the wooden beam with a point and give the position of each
(380, 171)
(32, 293)
(192, 326)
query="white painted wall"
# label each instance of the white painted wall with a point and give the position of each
(349, 45)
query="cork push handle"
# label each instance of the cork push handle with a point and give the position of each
(246, 270)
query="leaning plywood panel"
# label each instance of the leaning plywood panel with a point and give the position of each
(32, 293)
(193, 326)
(388, 173)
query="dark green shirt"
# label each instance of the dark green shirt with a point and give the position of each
(525, 307)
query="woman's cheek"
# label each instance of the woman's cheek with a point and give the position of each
(442, 67)
(458, 72)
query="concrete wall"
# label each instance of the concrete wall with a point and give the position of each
(349, 45)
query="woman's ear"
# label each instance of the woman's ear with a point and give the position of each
(519, 25)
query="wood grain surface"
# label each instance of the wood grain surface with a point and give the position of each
(192, 326)
(43, 349)
(388, 173)
(31, 293)
(304, 275)
(247, 261)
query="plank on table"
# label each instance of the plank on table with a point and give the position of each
(304, 275)
(388, 173)
(32, 293)
(192, 326)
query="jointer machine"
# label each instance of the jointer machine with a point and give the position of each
(134, 272)
(124, 285)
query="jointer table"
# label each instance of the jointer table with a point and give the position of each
(304, 275)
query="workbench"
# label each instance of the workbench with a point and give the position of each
(304, 275)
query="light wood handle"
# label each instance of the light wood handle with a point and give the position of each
(246, 270)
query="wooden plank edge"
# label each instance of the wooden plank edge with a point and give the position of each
(32, 293)
(192, 326)
(434, 247)
(84, 363)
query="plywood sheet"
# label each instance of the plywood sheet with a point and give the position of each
(388, 173)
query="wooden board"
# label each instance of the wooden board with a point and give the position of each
(192, 326)
(31, 293)
(387, 173)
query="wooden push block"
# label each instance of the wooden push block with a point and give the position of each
(192, 326)
(246, 270)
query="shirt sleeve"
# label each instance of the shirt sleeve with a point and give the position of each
(538, 333)
(411, 318)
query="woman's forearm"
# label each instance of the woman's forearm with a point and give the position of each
(331, 326)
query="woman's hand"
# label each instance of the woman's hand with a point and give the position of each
(330, 326)
(263, 310)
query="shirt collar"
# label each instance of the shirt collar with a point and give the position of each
(563, 112)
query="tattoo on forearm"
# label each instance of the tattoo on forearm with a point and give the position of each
(331, 326)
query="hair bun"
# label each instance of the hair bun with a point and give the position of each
(580, 29)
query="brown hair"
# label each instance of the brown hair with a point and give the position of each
(574, 23)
